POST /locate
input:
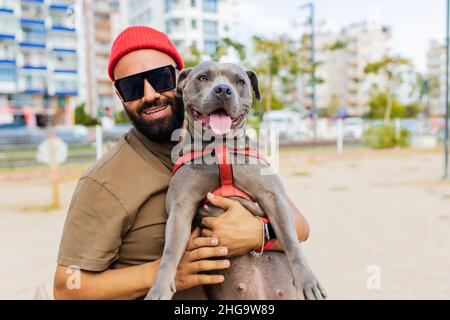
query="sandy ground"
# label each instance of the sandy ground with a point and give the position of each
(377, 217)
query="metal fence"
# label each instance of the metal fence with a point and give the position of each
(23, 147)
(19, 147)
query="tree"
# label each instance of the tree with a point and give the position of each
(378, 102)
(390, 68)
(225, 45)
(277, 59)
(192, 57)
(81, 117)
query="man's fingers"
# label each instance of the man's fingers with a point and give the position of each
(208, 223)
(202, 242)
(219, 201)
(195, 234)
(207, 233)
(208, 265)
(203, 279)
(207, 252)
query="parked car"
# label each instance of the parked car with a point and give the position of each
(24, 137)
(288, 123)
(116, 132)
(21, 136)
(353, 127)
(77, 135)
(411, 125)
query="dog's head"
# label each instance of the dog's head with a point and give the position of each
(219, 95)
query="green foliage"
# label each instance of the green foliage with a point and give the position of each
(378, 104)
(383, 137)
(81, 117)
(413, 109)
(386, 65)
(339, 44)
(121, 117)
(332, 108)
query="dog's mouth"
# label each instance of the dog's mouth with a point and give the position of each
(219, 121)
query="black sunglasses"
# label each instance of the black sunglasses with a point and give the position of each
(132, 87)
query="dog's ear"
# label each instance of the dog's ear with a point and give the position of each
(181, 81)
(255, 84)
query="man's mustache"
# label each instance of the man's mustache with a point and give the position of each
(155, 103)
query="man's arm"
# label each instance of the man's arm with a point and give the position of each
(127, 283)
(240, 231)
(301, 225)
(134, 282)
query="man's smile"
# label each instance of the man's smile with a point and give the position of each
(156, 112)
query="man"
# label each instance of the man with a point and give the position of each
(114, 230)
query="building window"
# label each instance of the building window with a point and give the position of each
(193, 3)
(173, 25)
(210, 28)
(210, 6)
(7, 72)
(170, 4)
(194, 24)
(34, 34)
(178, 44)
(209, 47)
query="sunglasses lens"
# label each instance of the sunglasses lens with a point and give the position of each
(131, 88)
(162, 79)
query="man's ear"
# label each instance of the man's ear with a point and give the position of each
(181, 81)
(255, 84)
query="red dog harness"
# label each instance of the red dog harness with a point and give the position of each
(227, 188)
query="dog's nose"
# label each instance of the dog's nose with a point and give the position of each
(223, 91)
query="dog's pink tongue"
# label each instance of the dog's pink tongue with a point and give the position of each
(220, 122)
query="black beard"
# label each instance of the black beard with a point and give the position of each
(158, 130)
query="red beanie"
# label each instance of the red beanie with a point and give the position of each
(140, 37)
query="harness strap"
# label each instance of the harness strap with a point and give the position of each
(225, 171)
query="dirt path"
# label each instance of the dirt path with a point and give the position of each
(382, 209)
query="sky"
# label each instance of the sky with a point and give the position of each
(413, 23)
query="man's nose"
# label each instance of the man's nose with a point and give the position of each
(150, 93)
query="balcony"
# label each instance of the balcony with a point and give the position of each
(65, 71)
(32, 67)
(4, 36)
(32, 84)
(8, 76)
(36, 2)
(59, 7)
(62, 28)
(63, 50)
(6, 10)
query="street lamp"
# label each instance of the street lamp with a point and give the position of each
(446, 142)
(310, 6)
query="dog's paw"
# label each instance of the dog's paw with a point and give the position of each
(160, 293)
(310, 288)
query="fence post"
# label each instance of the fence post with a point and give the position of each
(98, 141)
(397, 129)
(340, 136)
(54, 171)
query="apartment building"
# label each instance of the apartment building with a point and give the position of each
(96, 28)
(343, 56)
(202, 23)
(436, 68)
(38, 57)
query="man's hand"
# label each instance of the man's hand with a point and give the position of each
(237, 229)
(194, 260)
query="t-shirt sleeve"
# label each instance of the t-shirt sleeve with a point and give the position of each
(95, 226)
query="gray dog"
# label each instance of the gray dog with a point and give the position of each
(217, 98)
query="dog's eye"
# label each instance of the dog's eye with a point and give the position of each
(240, 82)
(202, 78)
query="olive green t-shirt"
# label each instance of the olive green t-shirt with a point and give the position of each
(117, 215)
